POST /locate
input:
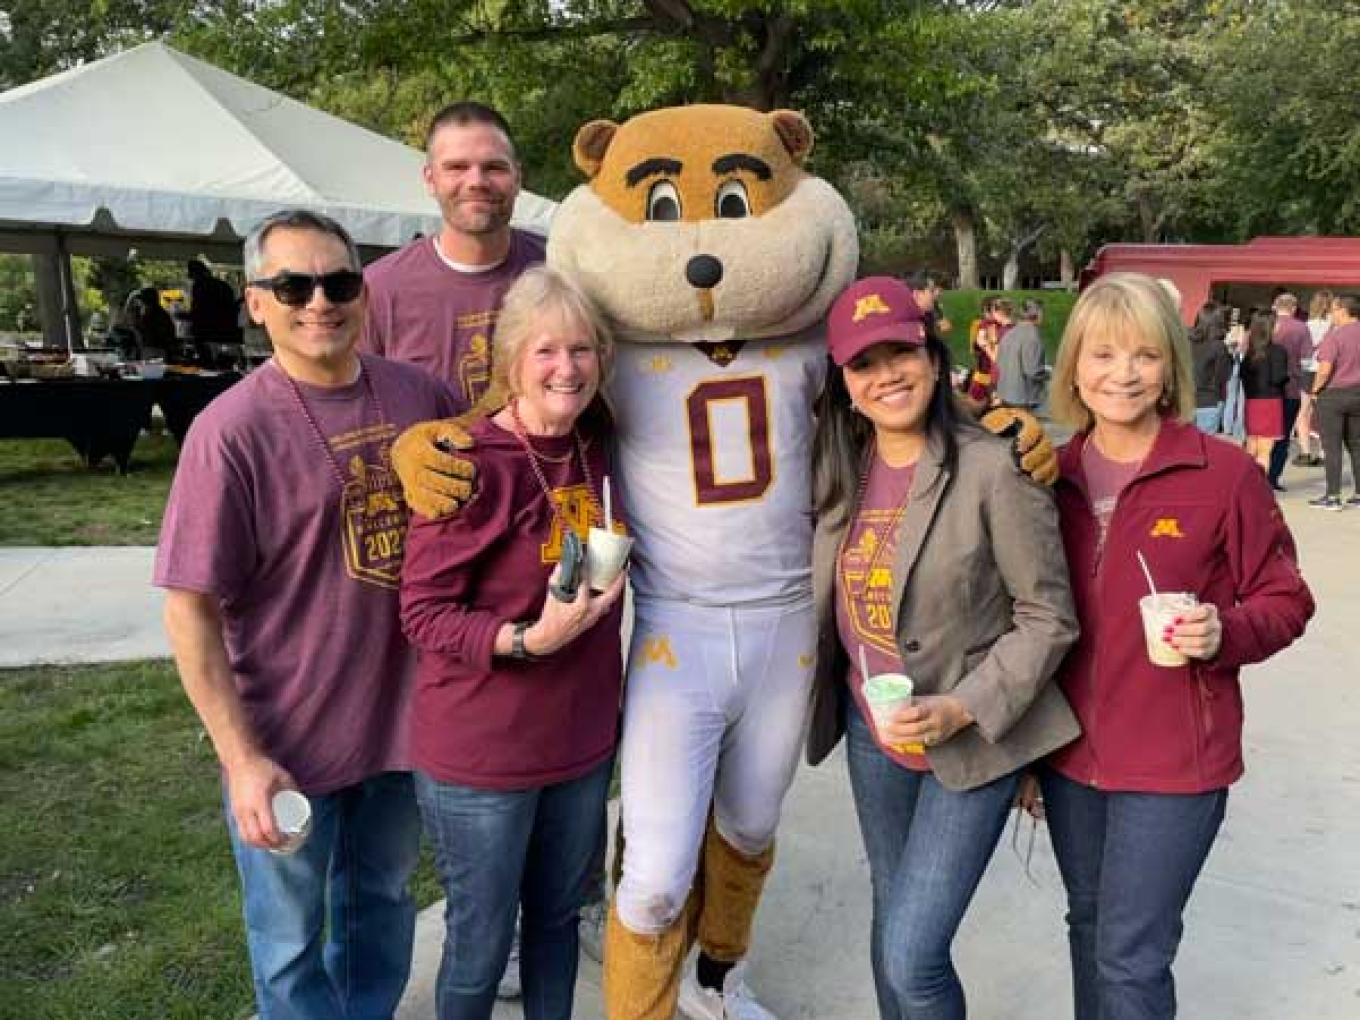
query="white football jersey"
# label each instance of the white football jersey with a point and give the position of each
(716, 466)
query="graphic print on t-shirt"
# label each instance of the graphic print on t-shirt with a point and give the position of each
(372, 508)
(866, 576)
(474, 366)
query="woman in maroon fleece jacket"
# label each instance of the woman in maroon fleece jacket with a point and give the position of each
(1135, 803)
(515, 711)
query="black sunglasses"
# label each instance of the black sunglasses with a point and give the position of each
(296, 289)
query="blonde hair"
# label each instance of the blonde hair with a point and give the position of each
(1320, 305)
(539, 296)
(1124, 303)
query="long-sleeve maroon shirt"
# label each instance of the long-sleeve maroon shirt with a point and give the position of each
(502, 723)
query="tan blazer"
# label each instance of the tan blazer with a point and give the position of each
(983, 612)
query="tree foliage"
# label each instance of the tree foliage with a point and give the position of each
(1053, 125)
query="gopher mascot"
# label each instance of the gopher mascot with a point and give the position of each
(715, 257)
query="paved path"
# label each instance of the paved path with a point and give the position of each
(1273, 932)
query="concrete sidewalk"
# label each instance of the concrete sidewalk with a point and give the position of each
(1273, 932)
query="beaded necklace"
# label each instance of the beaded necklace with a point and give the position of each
(317, 434)
(522, 434)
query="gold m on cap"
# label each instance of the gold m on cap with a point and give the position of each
(870, 304)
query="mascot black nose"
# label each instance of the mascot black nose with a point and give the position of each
(703, 271)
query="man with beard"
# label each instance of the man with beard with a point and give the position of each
(434, 302)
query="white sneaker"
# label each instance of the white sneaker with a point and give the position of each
(591, 929)
(735, 1002)
(509, 987)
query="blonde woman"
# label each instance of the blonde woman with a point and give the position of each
(1135, 802)
(515, 713)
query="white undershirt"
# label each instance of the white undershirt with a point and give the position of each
(464, 267)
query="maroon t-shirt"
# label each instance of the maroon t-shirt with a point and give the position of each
(502, 723)
(865, 615)
(423, 311)
(1293, 336)
(1105, 480)
(1341, 349)
(306, 569)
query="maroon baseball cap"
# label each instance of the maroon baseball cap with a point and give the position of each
(872, 311)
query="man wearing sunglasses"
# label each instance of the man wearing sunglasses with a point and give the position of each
(281, 551)
(434, 303)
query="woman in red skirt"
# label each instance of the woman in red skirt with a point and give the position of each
(1265, 371)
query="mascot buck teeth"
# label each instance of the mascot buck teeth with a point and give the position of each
(715, 257)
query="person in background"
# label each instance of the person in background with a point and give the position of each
(281, 552)
(212, 308)
(151, 324)
(1213, 365)
(1020, 360)
(1294, 338)
(983, 342)
(1265, 374)
(913, 499)
(1336, 389)
(926, 290)
(515, 713)
(1134, 804)
(1305, 430)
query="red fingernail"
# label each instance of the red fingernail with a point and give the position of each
(1178, 621)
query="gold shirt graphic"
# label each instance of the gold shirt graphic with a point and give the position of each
(372, 510)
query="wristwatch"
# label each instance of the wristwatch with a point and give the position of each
(517, 649)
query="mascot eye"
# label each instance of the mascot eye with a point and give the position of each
(663, 202)
(732, 203)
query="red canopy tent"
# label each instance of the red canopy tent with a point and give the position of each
(1203, 270)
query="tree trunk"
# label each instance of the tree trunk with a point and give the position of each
(1010, 272)
(965, 243)
(1067, 272)
(1148, 219)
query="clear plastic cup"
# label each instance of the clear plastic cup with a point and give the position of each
(1159, 612)
(885, 693)
(606, 554)
(293, 819)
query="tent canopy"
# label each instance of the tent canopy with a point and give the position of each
(154, 149)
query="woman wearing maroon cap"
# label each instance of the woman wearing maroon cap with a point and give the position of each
(1135, 803)
(922, 513)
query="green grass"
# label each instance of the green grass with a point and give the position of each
(51, 498)
(118, 896)
(963, 306)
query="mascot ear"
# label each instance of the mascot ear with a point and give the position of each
(592, 142)
(794, 131)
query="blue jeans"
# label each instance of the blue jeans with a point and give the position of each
(499, 852)
(329, 928)
(928, 848)
(1279, 453)
(1209, 419)
(1129, 862)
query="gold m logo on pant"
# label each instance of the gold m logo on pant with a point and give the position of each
(656, 649)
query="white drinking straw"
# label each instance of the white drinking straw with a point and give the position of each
(1146, 572)
(863, 664)
(608, 507)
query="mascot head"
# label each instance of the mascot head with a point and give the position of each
(699, 224)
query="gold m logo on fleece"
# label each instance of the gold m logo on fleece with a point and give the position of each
(1166, 527)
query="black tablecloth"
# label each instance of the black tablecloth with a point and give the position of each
(103, 417)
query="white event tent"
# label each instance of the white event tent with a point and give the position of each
(153, 150)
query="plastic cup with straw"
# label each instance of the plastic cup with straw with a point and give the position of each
(885, 694)
(1160, 611)
(606, 549)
